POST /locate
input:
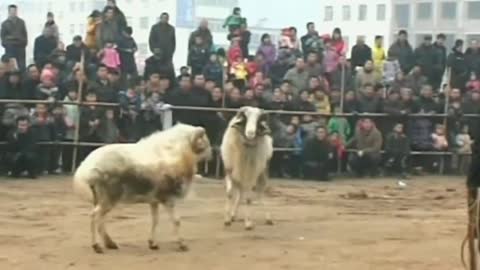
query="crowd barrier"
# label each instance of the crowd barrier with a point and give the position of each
(77, 143)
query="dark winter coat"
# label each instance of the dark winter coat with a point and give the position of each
(43, 49)
(360, 55)
(459, 69)
(13, 32)
(162, 37)
(426, 58)
(404, 54)
(206, 36)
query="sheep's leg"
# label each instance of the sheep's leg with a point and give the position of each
(152, 243)
(228, 203)
(107, 240)
(260, 189)
(93, 229)
(236, 204)
(248, 208)
(169, 207)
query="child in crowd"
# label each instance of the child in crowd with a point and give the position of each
(59, 131)
(397, 150)
(340, 145)
(391, 68)
(213, 70)
(235, 20)
(108, 129)
(340, 125)
(42, 125)
(71, 114)
(110, 56)
(47, 89)
(440, 143)
(464, 149)
(308, 126)
(474, 83)
(150, 113)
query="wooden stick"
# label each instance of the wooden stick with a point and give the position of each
(77, 121)
(472, 226)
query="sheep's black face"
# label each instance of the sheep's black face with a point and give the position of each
(252, 123)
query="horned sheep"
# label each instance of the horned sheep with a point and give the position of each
(157, 170)
(246, 150)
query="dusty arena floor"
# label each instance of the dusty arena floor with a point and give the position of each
(318, 226)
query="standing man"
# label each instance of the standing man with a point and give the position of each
(402, 51)
(312, 42)
(44, 47)
(425, 57)
(14, 37)
(440, 61)
(202, 32)
(162, 38)
(118, 15)
(361, 53)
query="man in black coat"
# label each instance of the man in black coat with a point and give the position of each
(22, 145)
(318, 154)
(14, 37)
(202, 32)
(440, 61)
(425, 56)
(361, 52)
(44, 46)
(162, 38)
(458, 65)
(74, 52)
(472, 55)
(402, 50)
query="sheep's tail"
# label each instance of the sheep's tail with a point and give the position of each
(83, 184)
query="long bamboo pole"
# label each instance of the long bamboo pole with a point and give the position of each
(77, 121)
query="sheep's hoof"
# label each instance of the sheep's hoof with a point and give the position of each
(152, 245)
(97, 248)
(269, 222)
(227, 223)
(182, 247)
(249, 226)
(111, 245)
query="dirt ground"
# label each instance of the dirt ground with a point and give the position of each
(362, 224)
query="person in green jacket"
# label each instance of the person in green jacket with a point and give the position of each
(340, 125)
(235, 20)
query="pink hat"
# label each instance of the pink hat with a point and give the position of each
(47, 75)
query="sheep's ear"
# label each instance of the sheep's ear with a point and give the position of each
(241, 111)
(240, 118)
(263, 127)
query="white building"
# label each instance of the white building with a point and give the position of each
(356, 18)
(457, 19)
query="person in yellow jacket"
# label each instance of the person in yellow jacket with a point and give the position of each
(379, 56)
(94, 21)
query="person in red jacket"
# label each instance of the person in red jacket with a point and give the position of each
(235, 51)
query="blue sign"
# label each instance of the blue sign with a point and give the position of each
(185, 13)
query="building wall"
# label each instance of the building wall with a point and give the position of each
(458, 19)
(356, 18)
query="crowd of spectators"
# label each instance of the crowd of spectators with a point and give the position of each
(336, 102)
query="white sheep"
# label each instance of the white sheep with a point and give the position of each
(246, 150)
(157, 170)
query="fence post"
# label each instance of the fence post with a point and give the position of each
(77, 121)
(342, 97)
(445, 120)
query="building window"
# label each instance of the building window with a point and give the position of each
(144, 24)
(402, 15)
(346, 13)
(222, 3)
(381, 12)
(72, 29)
(424, 11)
(449, 10)
(73, 7)
(362, 12)
(473, 10)
(81, 6)
(328, 13)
